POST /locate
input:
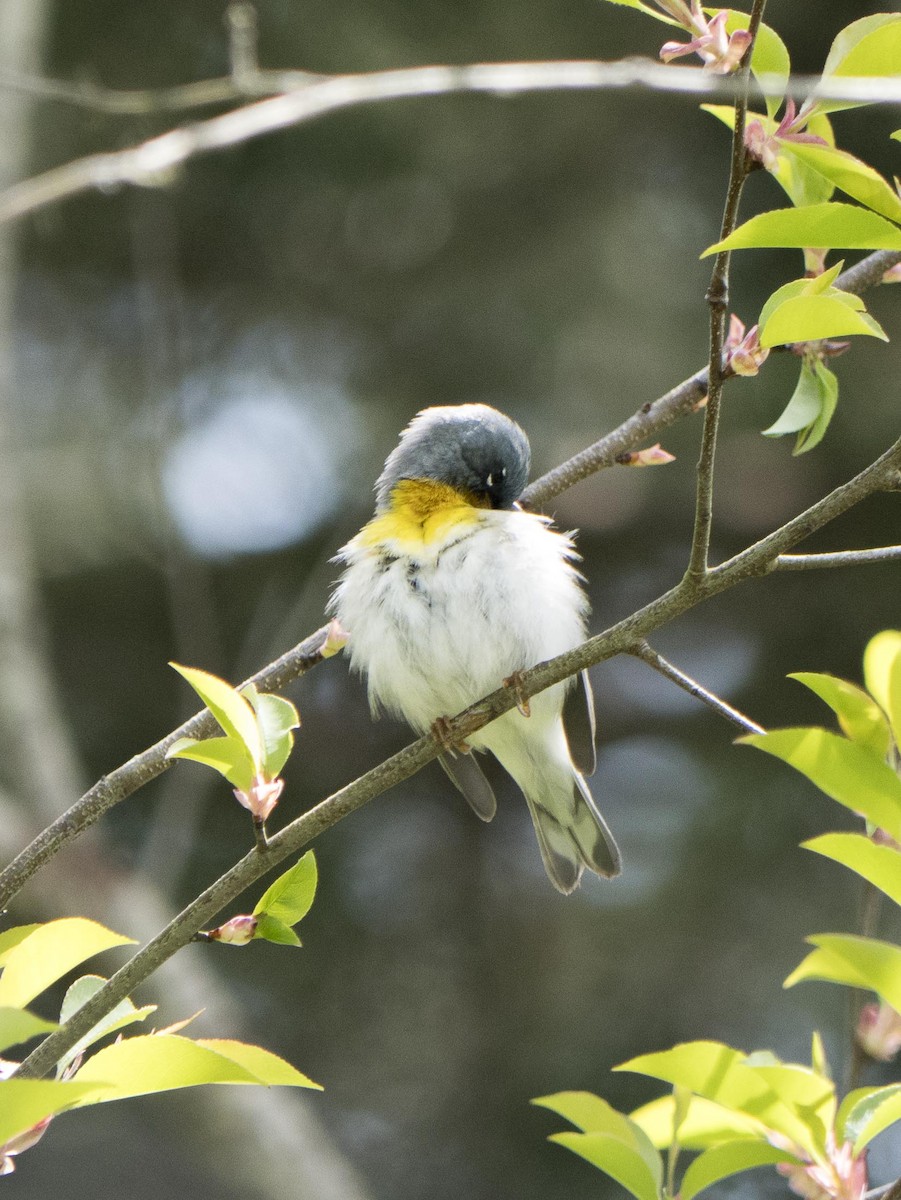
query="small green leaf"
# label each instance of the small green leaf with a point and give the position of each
(125, 1013)
(290, 897)
(870, 46)
(268, 1068)
(10, 938)
(803, 408)
(810, 318)
(276, 718)
(854, 961)
(873, 1111)
(227, 755)
(825, 225)
(24, 1102)
(828, 389)
(271, 929)
(647, 10)
(707, 1123)
(843, 770)
(859, 716)
(854, 177)
(769, 57)
(18, 1025)
(879, 865)
(229, 708)
(616, 1159)
(48, 953)
(882, 675)
(729, 1158)
(163, 1062)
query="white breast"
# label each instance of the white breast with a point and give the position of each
(436, 630)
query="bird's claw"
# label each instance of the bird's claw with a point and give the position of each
(514, 683)
(441, 729)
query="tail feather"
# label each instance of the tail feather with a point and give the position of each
(582, 839)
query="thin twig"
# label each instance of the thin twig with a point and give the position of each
(838, 558)
(154, 162)
(140, 770)
(619, 638)
(718, 300)
(649, 655)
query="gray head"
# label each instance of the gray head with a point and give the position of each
(470, 447)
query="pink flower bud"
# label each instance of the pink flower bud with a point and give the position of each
(336, 639)
(236, 932)
(652, 456)
(878, 1031)
(262, 797)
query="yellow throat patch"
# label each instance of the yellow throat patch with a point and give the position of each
(422, 512)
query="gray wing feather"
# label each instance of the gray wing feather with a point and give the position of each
(579, 723)
(467, 777)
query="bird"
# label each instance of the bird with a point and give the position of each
(451, 589)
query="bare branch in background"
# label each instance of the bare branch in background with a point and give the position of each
(657, 662)
(838, 558)
(153, 162)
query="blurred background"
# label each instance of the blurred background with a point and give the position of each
(200, 383)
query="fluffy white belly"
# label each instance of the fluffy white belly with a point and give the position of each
(437, 629)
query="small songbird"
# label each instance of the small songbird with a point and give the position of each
(451, 590)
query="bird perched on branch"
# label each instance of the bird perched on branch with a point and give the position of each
(452, 589)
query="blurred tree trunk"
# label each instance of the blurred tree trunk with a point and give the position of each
(264, 1142)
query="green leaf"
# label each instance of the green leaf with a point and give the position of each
(18, 1025)
(873, 1111)
(271, 929)
(843, 770)
(229, 708)
(803, 408)
(48, 953)
(276, 717)
(227, 755)
(870, 46)
(810, 318)
(125, 1013)
(859, 716)
(816, 286)
(10, 938)
(707, 1123)
(854, 177)
(268, 1068)
(882, 675)
(24, 1102)
(646, 8)
(162, 1062)
(724, 1075)
(290, 897)
(727, 1159)
(854, 961)
(616, 1159)
(879, 865)
(769, 57)
(823, 225)
(828, 389)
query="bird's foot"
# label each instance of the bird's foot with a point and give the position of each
(441, 730)
(514, 683)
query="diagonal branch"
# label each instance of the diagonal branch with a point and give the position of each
(305, 97)
(756, 560)
(838, 558)
(658, 663)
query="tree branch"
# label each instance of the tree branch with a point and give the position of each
(756, 560)
(718, 300)
(649, 655)
(302, 97)
(838, 558)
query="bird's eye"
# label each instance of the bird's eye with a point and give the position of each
(490, 480)
(503, 472)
